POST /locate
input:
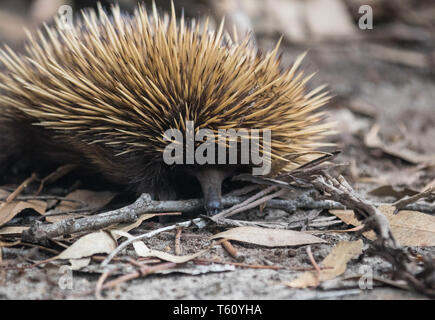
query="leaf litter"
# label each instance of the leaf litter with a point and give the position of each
(410, 228)
(375, 167)
(332, 266)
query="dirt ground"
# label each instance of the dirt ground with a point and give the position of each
(369, 88)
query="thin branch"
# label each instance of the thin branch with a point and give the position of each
(226, 244)
(21, 187)
(177, 241)
(260, 194)
(400, 204)
(250, 205)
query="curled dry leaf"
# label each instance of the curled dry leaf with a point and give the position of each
(130, 226)
(409, 228)
(143, 251)
(332, 266)
(93, 199)
(77, 264)
(268, 237)
(398, 150)
(88, 245)
(9, 210)
(12, 230)
(87, 199)
(392, 191)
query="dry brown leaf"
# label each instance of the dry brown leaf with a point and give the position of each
(61, 217)
(268, 237)
(143, 251)
(77, 264)
(392, 191)
(332, 266)
(373, 140)
(398, 177)
(410, 228)
(4, 194)
(88, 245)
(92, 200)
(127, 227)
(12, 231)
(9, 210)
(9, 244)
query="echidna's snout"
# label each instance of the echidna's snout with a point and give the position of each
(211, 179)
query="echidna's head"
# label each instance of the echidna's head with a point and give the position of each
(133, 87)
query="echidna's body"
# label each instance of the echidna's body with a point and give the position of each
(102, 93)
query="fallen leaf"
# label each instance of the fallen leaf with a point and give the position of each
(12, 230)
(77, 264)
(9, 210)
(398, 177)
(88, 245)
(94, 200)
(333, 265)
(130, 226)
(4, 194)
(143, 251)
(392, 191)
(9, 244)
(398, 150)
(268, 237)
(60, 217)
(409, 228)
(91, 200)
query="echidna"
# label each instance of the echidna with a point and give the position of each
(102, 93)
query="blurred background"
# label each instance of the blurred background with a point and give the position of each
(378, 57)
(299, 21)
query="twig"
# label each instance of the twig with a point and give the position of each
(27, 198)
(21, 187)
(250, 266)
(400, 204)
(126, 214)
(144, 271)
(260, 194)
(314, 263)
(385, 245)
(56, 175)
(100, 282)
(224, 222)
(39, 231)
(339, 190)
(34, 265)
(177, 241)
(243, 191)
(230, 249)
(422, 207)
(238, 264)
(250, 205)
